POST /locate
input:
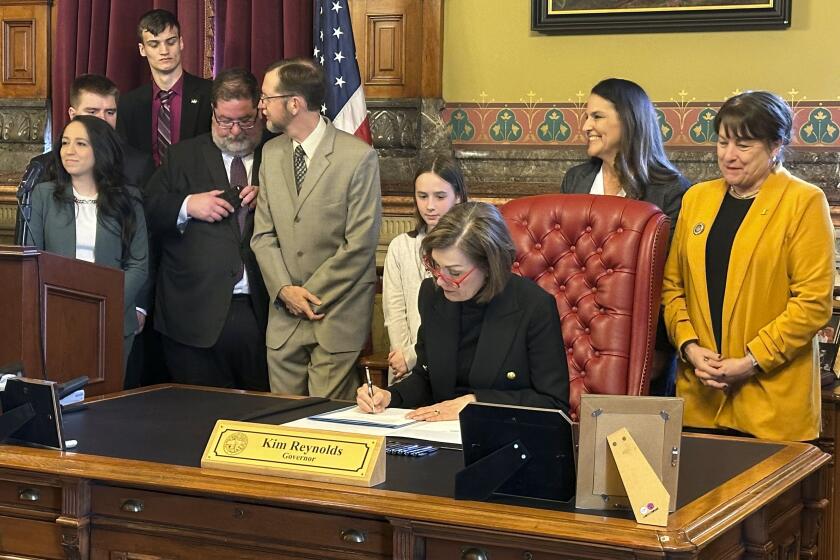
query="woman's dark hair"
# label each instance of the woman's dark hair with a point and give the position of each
(757, 115)
(477, 229)
(641, 160)
(446, 168)
(113, 200)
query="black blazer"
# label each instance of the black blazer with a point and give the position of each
(198, 269)
(520, 338)
(134, 112)
(667, 196)
(137, 166)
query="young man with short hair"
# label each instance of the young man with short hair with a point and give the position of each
(176, 105)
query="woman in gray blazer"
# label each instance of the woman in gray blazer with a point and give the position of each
(625, 149)
(89, 212)
(627, 158)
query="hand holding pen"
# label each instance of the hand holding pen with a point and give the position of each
(370, 398)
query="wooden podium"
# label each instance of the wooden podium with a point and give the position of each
(76, 304)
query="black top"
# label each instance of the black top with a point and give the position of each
(472, 317)
(718, 251)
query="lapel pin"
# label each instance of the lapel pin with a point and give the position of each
(698, 229)
(764, 212)
(511, 375)
(194, 101)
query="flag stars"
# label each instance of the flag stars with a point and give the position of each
(340, 82)
(336, 6)
(338, 57)
(317, 52)
(322, 34)
(321, 60)
(323, 109)
(337, 32)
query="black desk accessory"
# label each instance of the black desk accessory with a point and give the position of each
(71, 386)
(515, 451)
(31, 413)
(282, 406)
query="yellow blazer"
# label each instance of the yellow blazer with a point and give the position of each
(778, 295)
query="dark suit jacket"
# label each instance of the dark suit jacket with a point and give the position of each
(198, 268)
(137, 166)
(54, 229)
(134, 112)
(668, 197)
(521, 334)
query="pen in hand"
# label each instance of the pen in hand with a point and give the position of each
(370, 388)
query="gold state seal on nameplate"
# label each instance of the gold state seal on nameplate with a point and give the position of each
(235, 443)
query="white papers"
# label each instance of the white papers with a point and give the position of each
(391, 422)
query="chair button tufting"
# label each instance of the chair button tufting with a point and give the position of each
(550, 269)
(572, 248)
(562, 288)
(569, 350)
(586, 330)
(593, 290)
(609, 271)
(597, 353)
(620, 230)
(515, 265)
(574, 309)
(588, 229)
(599, 250)
(538, 246)
(583, 269)
(556, 226)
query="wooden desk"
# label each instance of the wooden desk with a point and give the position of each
(74, 505)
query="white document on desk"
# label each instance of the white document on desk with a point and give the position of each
(391, 422)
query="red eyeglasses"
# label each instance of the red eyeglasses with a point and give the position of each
(438, 274)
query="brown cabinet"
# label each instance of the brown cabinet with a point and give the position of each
(829, 437)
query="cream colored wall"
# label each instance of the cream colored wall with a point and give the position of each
(489, 47)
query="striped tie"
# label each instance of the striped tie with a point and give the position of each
(164, 128)
(300, 166)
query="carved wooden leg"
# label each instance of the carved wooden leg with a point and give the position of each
(75, 520)
(407, 546)
(813, 516)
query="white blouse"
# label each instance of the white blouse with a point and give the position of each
(85, 226)
(598, 184)
(401, 279)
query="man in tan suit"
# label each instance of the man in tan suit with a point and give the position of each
(315, 235)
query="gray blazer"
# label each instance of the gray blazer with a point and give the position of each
(323, 239)
(54, 229)
(667, 196)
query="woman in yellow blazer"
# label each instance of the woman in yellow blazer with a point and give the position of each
(748, 282)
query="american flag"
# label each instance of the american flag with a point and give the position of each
(335, 50)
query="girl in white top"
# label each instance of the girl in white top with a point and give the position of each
(438, 185)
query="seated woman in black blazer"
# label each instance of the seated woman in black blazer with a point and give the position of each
(485, 335)
(625, 149)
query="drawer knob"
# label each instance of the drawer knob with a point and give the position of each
(132, 506)
(473, 553)
(352, 536)
(29, 495)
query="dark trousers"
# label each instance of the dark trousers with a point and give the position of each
(237, 360)
(146, 365)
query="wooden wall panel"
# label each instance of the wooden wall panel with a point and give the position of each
(25, 48)
(398, 45)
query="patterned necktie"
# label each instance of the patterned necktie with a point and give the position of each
(239, 178)
(164, 124)
(300, 166)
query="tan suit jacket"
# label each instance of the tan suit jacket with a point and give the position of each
(778, 295)
(323, 239)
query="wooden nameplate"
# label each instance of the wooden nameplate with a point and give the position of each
(296, 453)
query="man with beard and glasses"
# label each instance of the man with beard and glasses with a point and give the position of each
(211, 306)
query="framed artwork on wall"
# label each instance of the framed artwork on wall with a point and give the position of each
(645, 16)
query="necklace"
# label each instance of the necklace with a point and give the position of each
(78, 200)
(736, 194)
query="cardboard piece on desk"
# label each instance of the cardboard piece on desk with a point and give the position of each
(320, 455)
(655, 424)
(648, 496)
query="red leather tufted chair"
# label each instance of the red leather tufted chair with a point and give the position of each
(602, 258)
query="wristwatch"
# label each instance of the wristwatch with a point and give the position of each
(753, 360)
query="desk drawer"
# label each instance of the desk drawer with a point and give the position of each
(30, 496)
(266, 523)
(444, 549)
